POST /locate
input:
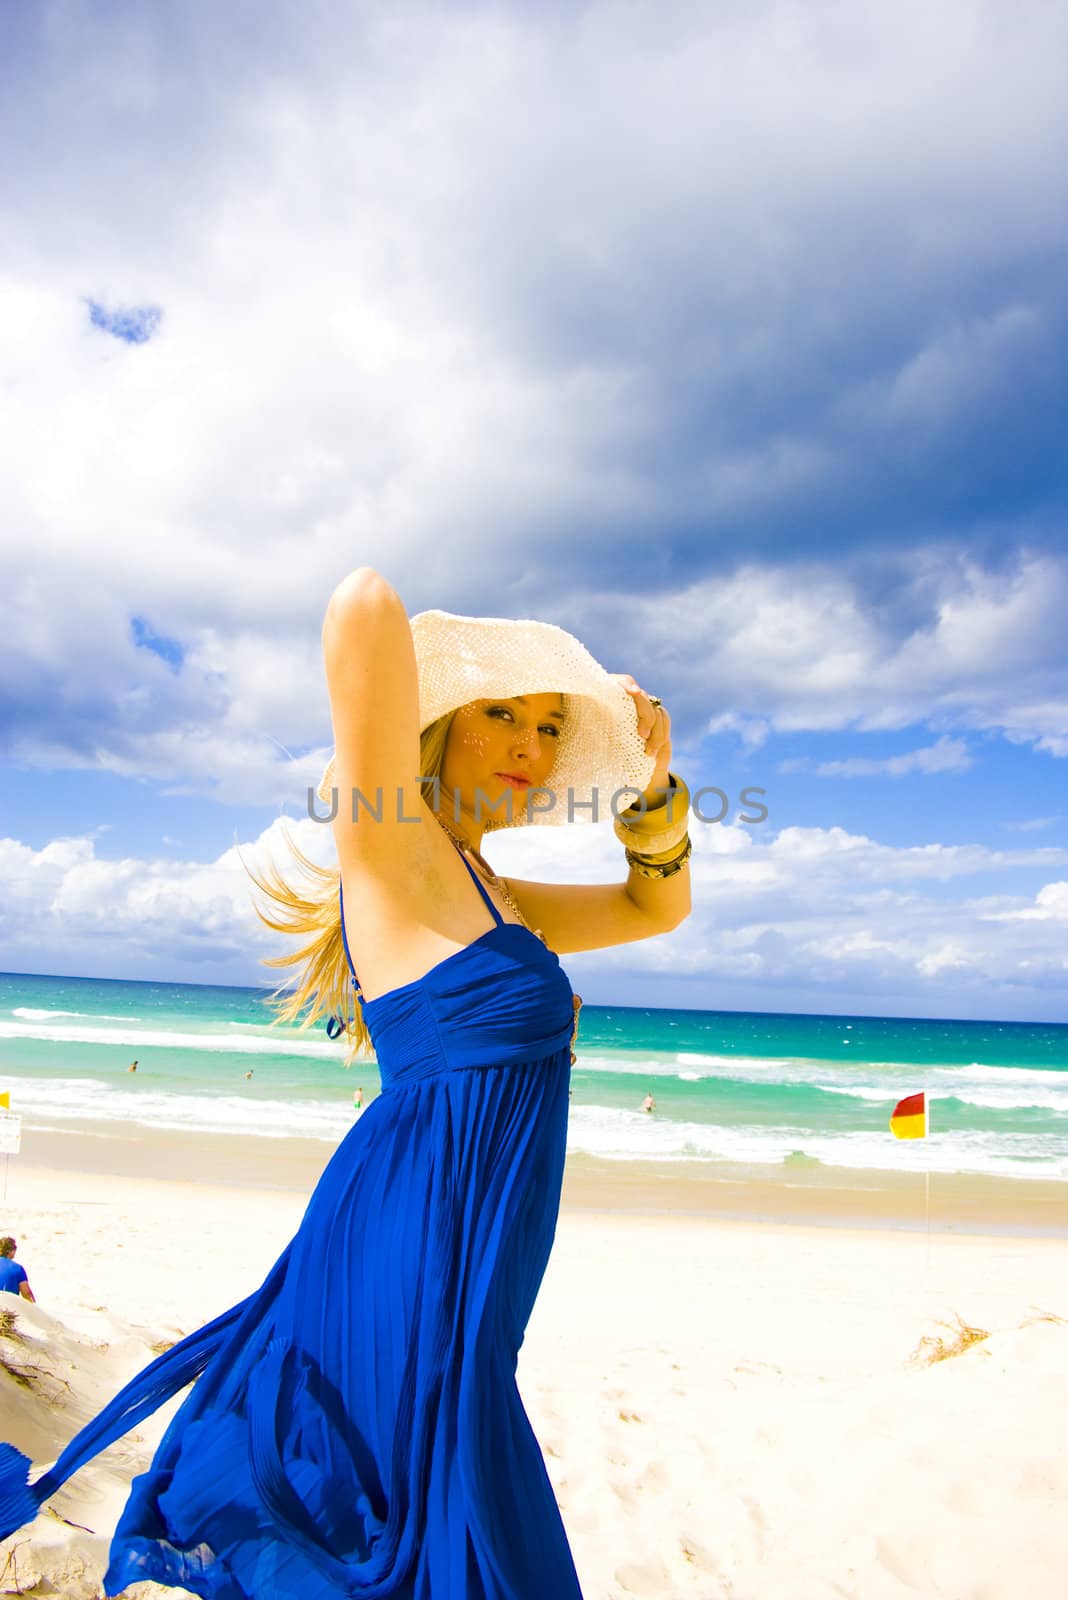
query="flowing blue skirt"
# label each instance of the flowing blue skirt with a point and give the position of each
(355, 1427)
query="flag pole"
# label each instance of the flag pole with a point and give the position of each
(927, 1173)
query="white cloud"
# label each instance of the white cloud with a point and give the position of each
(1032, 824)
(752, 731)
(947, 755)
(781, 921)
(814, 918)
(1051, 905)
(66, 908)
(800, 649)
(445, 291)
(961, 367)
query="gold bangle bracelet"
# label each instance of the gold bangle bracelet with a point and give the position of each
(660, 827)
(672, 800)
(661, 869)
(653, 843)
(656, 857)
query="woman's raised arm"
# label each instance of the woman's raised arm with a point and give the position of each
(371, 677)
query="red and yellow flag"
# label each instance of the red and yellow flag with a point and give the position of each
(908, 1120)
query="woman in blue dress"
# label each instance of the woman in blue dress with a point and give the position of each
(354, 1427)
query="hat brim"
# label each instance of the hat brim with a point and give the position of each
(461, 660)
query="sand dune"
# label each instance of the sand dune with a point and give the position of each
(52, 1380)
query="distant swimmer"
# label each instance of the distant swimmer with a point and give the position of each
(648, 1104)
(248, 1074)
(357, 1099)
(132, 1067)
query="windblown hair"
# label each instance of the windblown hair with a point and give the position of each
(7, 1246)
(311, 910)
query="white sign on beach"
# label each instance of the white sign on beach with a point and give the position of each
(10, 1135)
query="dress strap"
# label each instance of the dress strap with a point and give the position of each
(481, 889)
(345, 941)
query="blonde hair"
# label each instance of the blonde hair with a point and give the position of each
(312, 911)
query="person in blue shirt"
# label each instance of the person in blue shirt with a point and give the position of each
(13, 1277)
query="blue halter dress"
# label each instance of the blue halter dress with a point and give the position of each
(355, 1428)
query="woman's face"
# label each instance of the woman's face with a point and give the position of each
(493, 741)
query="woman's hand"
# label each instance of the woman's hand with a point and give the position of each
(654, 726)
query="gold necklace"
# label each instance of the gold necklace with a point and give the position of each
(465, 845)
(495, 882)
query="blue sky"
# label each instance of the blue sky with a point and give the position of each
(732, 338)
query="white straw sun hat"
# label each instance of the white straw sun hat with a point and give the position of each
(460, 659)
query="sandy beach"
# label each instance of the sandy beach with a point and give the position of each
(731, 1382)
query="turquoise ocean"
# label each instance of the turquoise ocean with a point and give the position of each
(761, 1089)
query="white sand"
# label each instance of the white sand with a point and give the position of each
(727, 1409)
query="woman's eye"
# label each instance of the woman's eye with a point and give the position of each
(548, 727)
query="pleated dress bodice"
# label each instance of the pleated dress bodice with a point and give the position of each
(501, 1001)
